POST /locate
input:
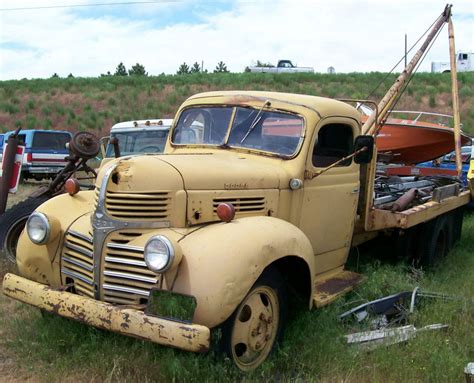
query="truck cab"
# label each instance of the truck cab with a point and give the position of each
(285, 64)
(464, 63)
(140, 136)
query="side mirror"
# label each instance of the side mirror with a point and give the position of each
(365, 156)
(114, 141)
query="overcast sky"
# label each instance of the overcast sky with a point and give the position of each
(351, 36)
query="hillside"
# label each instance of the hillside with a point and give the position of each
(97, 103)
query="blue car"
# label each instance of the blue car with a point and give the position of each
(449, 162)
(45, 152)
(1, 146)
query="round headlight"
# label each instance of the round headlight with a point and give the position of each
(38, 228)
(159, 254)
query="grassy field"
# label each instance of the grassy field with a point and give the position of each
(95, 104)
(53, 349)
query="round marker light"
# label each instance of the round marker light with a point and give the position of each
(225, 212)
(72, 186)
(159, 254)
(38, 228)
(295, 183)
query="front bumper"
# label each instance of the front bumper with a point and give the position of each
(126, 321)
(43, 169)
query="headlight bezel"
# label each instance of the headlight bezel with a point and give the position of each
(171, 253)
(44, 218)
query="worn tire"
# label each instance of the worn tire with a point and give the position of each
(457, 218)
(12, 223)
(253, 330)
(435, 241)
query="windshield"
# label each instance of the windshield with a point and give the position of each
(465, 155)
(268, 131)
(143, 141)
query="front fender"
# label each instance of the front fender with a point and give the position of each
(39, 262)
(222, 261)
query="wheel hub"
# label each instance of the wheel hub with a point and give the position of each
(255, 328)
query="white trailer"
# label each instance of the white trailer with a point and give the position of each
(464, 63)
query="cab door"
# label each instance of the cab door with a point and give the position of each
(330, 199)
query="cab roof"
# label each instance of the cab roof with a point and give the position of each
(150, 123)
(321, 105)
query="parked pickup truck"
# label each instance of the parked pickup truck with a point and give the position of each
(269, 194)
(45, 152)
(283, 66)
(464, 63)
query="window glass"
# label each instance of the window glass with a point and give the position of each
(251, 128)
(202, 126)
(334, 142)
(268, 131)
(51, 141)
(144, 141)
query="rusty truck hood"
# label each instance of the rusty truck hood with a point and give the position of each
(227, 171)
(186, 188)
(208, 171)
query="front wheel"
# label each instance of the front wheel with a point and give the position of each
(12, 223)
(252, 331)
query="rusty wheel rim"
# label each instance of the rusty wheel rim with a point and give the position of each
(255, 328)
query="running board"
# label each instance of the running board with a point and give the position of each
(331, 288)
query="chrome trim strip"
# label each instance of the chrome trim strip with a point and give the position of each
(118, 246)
(125, 261)
(78, 263)
(130, 290)
(133, 277)
(77, 276)
(80, 250)
(80, 236)
(103, 225)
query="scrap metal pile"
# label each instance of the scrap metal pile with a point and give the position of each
(390, 318)
(398, 193)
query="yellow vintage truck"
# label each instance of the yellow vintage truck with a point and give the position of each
(256, 192)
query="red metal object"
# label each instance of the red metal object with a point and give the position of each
(403, 202)
(15, 178)
(7, 169)
(419, 171)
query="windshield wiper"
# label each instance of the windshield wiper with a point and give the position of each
(255, 121)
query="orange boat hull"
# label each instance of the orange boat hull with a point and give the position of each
(410, 142)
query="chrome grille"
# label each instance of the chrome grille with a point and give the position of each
(139, 205)
(243, 204)
(77, 261)
(96, 197)
(126, 278)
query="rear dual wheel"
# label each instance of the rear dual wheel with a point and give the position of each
(252, 331)
(436, 238)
